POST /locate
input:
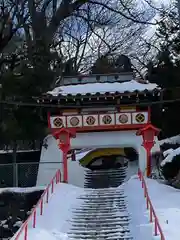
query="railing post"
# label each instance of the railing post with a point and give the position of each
(34, 218)
(155, 226)
(56, 177)
(59, 178)
(42, 200)
(145, 191)
(52, 186)
(26, 232)
(41, 207)
(151, 214)
(147, 201)
(47, 195)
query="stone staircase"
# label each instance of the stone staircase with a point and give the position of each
(103, 213)
(105, 178)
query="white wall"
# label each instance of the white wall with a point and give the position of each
(47, 168)
(86, 140)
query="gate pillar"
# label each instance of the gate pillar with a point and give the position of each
(63, 137)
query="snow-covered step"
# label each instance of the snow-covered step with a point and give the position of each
(94, 196)
(104, 178)
(95, 237)
(102, 214)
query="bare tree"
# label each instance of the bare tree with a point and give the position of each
(149, 44)
(78, 31)
(48, 19)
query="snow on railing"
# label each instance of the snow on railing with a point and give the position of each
(153, 216)
(44, 199)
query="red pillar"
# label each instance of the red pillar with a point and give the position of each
(148, 162)
(65, 167)
(63, 136)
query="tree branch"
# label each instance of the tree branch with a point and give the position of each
(122, 14)
(64, 11)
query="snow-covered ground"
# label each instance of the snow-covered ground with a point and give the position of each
(140, 226)
(22, 190)
(54, 223)
(166, 202)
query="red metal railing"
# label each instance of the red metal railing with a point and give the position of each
(23, 231)
(153, 216)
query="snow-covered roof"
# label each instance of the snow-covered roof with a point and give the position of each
(102, 88)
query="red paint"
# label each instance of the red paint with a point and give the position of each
(52, 186)
(64, 135)
(41, 206)
(122, 127)
(148, 133)
(59, 179)
(65, 167)
(147, 202)
(58, 176)
(151, 214)
(157, 227)
(148, 150)
(25, 232)
(34, 218)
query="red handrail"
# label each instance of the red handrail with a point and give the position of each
(33, 216)
(153, 216)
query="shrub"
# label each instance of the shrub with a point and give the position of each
(171, 169)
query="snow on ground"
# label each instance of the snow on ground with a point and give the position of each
(166, 202)
(53, 224)
(140, 227)
(42, 234)
(22, 190)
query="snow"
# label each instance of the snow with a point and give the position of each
(21, 190)
(140, 226)
(94, 88)
(18, 151)
(172, 140)
(53, 224)
(165, 200)
(45, 235)
(79, 156)
(167, 152)
(169, 155)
